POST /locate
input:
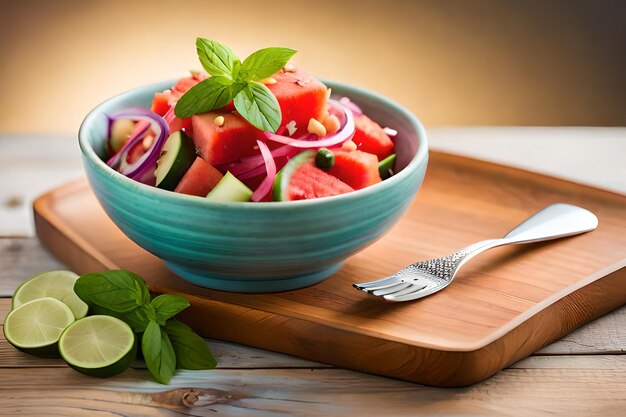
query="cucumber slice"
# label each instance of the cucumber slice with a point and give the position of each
(281, 183)
(385, 167)
(177, 155)
(98, 346)
(35, 327)
(230, 189)
(54, 284)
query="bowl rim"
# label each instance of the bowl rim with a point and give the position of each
(420, 158)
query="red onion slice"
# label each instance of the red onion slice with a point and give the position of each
(142, 169)
(255, 172)
(251, 166)
(343, 134)
(285, 150)
(270, 167)
(351, 105)
(137, 135)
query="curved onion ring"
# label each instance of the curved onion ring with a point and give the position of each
(351, 105)
(270, 167)
(142, 169)
(343, 134)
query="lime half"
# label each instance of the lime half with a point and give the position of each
(98, 346)
(54, 284)
(35, 326)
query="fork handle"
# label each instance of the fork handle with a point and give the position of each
(555, 221)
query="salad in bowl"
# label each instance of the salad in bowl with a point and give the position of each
(259, 130)
(253, 176)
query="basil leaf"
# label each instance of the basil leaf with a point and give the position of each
(210, 94)
(117, 290)
(136, 319)
(192, 351)
(158, 353)
(257, 105)
(265, 63)
(216, 58)
(149, 312)
(167, 306)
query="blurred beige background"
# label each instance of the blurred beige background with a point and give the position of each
(450, 62)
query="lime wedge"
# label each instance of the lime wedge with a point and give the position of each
(54, 284)
(35, 326)
(98, 346)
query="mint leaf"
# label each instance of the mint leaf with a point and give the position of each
(118, 290)
(136, 319)
(167, 306)
(265, 63)
(192, 351)
(257, 105)
(210, 94)
(216, 58)
(158, 353)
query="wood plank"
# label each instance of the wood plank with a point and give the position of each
(30, 165)
(229, 355)
(606, 334)
(320, 392)
(614, 362)
(20, 259)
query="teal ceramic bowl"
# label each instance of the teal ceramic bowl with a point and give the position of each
(256, 247)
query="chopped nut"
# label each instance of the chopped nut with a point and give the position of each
(268, 80)
(289, 67)
(147, 142)
(332, 124)
(348, 146)
(328, 92)
(219, 121)
(302, 83)
(316, 128)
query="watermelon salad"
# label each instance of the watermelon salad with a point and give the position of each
(273, 134)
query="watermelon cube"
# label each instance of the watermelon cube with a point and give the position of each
(371, 138)
(160, 104)
(219, 145)
(308, 181)
(200, 179)
(300, 96)
(357, 169)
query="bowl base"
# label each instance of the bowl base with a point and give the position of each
(254, 285)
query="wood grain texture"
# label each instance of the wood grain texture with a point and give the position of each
(21, 259)
(507, 303)
(229, 355)
(278, 392)
(28, 167)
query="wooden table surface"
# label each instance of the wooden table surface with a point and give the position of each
(583, 374)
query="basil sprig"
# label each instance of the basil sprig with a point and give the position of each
(233, 80)
(166, 344)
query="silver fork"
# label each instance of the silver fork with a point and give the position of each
(427, 277)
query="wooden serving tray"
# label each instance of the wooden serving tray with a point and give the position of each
(504, 305)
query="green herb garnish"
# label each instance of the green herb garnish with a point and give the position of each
(166, 344)
(233, 80)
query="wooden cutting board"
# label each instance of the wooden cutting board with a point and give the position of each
(504, 305)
